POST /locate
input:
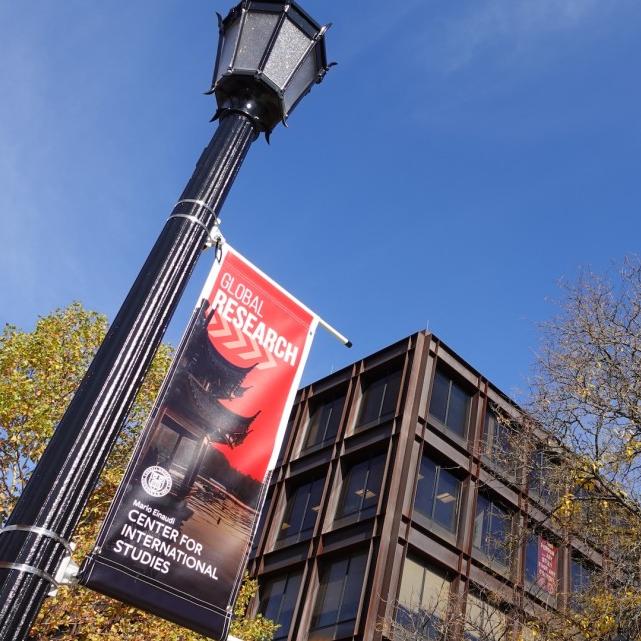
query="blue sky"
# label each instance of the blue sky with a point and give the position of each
(461, 159)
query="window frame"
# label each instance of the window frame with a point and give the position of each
(368, 380)
(486, 547)
(348, 470)
(439, 468)
(340, 627)
(270, 581)
(291, 494)
(452, 381)
(316, 405)
(436, 615)
(533, 582)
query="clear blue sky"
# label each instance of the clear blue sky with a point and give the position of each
(461, 159)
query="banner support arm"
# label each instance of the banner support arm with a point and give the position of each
(334, 332)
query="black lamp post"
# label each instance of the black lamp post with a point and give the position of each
(269, 56)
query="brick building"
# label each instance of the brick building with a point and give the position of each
(391, 509)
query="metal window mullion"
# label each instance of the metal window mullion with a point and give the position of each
(447, 405)
(340, 601)
(282, 598)
(437, 476)
(367, 474)
(309, 493)
(329, 418)
(380, 406)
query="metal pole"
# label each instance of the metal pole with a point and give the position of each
(65, 476)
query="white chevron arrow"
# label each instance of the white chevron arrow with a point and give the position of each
(271, 361)
(239, 342)
(253, 353)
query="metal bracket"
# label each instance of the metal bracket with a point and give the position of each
(67, 572)
(42, 531)
(214, 235)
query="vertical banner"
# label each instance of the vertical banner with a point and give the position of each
(177, 536)
(547, 566)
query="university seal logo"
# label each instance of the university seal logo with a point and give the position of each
(156, 481)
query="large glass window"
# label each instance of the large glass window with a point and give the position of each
(278, 600)
(450, 404)
(324, 420)
(499, 440)
(379, 398)
(581, 573)
(492, 529)
(339, 594)
(437, 494)
(483, 622)
(361, 488)
(300, 512)
(543, 477)
(422, 601)
(541, 561)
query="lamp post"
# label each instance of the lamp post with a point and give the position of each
(269, 56)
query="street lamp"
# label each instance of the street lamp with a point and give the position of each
(269, 56)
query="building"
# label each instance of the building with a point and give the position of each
(392, 508)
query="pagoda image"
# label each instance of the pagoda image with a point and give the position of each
(192, 417)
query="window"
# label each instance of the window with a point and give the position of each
(324, 419)
(361, 488)
(483, 621)
(492, 528)
(541, 561)
(300, 513)
(437, 494)
(379, 398)
(278, 600)
(450, 404)
(499, 440)
(339, 593)
(581, 573)
(543, 478)
(422, 601)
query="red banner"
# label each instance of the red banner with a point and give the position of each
(177, 536)
(547, 566)
(257, 323)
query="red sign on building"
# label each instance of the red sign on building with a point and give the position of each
(547, 566)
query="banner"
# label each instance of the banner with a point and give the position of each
(547, 566)
(177, 536)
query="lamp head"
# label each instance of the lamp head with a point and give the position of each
(270, 54)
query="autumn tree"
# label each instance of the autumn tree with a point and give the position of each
(39, 372)
(576, 448)
(587, 394)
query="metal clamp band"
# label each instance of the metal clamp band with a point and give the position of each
(35, 529)
(213, 235)
(202, 203)
(194, 220)
(29, 569)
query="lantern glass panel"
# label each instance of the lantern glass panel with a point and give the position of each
(231, 34)
(288, 50)
(257, 32)
(303, 78)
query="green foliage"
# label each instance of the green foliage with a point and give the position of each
(39, 372)
(250, 629)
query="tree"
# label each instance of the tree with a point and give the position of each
(587, 394)
(576, 446)
(39, 372)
